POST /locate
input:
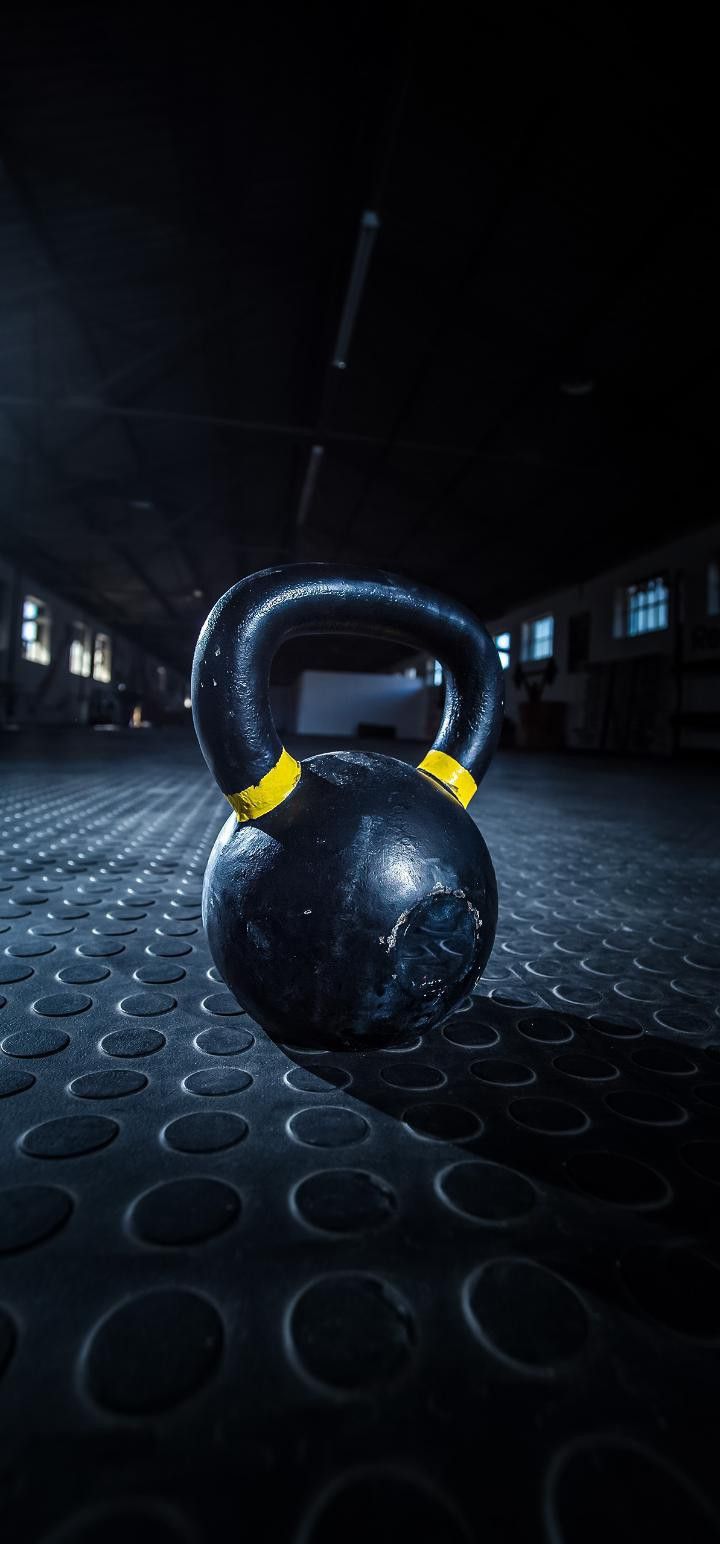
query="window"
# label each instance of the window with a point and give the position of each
(80, 650)
(35, 631)
(641, 608)
(162, 678)
(713, 588)
(537, 639)
(102, 657)
(502, 644)
(434, 672)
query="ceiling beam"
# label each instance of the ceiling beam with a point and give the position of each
(301, 433)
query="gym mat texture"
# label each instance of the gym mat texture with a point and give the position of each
(465, 1289)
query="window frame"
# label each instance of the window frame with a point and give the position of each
(102, 639)
(655, 588)
(85, 644)
(504, 649)
(528, 632)
(434, 673)
(36, 646)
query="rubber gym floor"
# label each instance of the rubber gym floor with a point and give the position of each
(464, 1290)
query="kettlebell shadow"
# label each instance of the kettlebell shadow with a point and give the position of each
(571, 1103)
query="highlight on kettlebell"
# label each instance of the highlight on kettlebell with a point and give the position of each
(350, 899)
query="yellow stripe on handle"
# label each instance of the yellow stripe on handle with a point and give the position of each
(269, 792)
(449, 771)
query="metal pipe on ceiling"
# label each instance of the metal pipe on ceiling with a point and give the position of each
(367, 236)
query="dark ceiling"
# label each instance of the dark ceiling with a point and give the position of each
(529, 386)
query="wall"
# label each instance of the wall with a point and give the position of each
(333, 702)
(628, 694)
(31, 693)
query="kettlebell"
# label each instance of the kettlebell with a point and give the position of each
(349, 899)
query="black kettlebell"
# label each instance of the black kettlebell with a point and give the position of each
(349, 900)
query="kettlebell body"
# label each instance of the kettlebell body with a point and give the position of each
(348, 901)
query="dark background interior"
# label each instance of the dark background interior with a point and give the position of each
(181, 200)
(465, 1288)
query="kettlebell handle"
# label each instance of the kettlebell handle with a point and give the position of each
(231, 673)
